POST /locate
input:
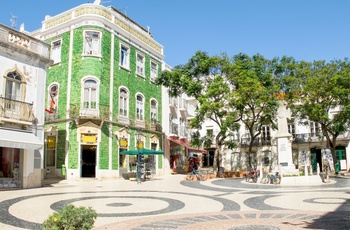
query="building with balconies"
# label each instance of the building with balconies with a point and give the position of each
(101, 96)
(290, 148)
(24, 60)
(178, 111)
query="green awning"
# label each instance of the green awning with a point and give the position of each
(142, 151)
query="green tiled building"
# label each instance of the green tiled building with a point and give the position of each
(101, 96)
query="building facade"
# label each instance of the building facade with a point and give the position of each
(101, 96)
(177, 114)
(24, 62)
(291, 148)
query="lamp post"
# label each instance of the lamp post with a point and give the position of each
(139, 156)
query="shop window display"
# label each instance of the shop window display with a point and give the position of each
(10, 168)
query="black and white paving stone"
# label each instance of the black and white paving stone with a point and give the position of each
(170, 202)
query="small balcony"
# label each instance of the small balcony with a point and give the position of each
(307, 137)
(81, 114)
(174, 129)
(51, 116)
(155, 126)
(245, 142)
(173, 105)
(16, 111)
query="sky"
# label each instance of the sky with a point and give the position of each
(304, 29)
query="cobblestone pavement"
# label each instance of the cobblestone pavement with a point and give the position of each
(169, 202)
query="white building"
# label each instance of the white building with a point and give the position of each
(288, 149)
(177, 113)
(24, 61)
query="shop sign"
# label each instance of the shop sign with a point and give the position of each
(51, 142)
(89, 138)
(123, 142)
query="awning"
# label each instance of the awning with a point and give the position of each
(19, 140)
(142, 151)
(187, 144)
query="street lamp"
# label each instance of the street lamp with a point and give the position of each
(140, 157)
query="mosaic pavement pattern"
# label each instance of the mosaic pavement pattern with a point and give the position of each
(173, 203)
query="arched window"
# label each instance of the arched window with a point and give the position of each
(90, 94)
(139, 107)
(13, 86)
(154, 111)
(53, 97)
(123, 102)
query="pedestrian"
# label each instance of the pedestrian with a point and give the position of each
(327, 166)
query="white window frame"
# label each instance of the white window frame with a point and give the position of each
(140, 64)
(56, 48)
(123, 102)
(124, 56)
(90, 93)
(140, 107)
(315, 129)
(265, 133)
(14, 86)
(154, 110)
(92, 45)
(153, 71)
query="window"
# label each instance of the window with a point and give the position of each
(123, 102)
(92, 44)
(90, 94)
(140, 65)
(13, 86)
(265, 134)
(154, 111)
(124, 56)
(154, 71)
(315, 129)
(56, 51)
(139, 107)
(53, 97)
(291, 127)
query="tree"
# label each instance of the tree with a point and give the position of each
(256, 94)
(205, 78)
(314, 89)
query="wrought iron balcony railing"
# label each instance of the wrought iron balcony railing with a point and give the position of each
(51, 116)
(101, 111)
(16, 110)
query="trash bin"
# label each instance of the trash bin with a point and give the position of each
(63, 170)
(337, 168)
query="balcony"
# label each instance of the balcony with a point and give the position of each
(51, 116)
(173, 105)
(82, 115)
(174, 129)
(140, 123)
(184, 133)
(155, 126)
(307, 137)
(245, 142)
(16, 111)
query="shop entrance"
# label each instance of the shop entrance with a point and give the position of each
(88, 161)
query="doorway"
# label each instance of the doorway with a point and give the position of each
(88, 161)
(316, 157)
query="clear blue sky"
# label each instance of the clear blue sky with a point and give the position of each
(304, 29)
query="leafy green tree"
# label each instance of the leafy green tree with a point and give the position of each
(256, 94)
(205, 78)
(314, 89)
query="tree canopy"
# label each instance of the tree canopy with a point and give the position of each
(320, 92)
(247, 90)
